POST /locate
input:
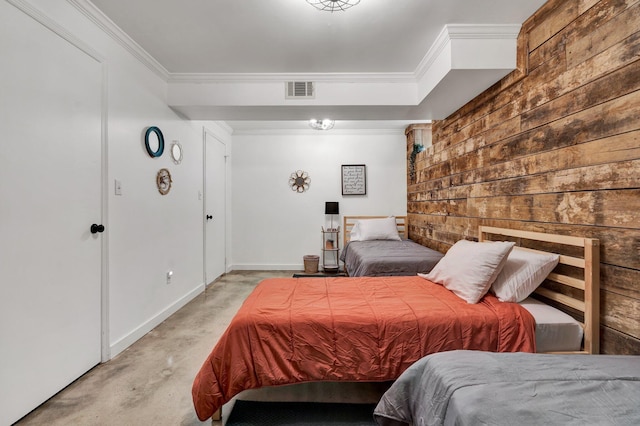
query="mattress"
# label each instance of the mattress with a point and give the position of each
(555, 330)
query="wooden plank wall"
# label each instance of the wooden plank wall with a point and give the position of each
(553, 147)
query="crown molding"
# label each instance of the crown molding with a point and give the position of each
(88, 9)
(320, 133)
(485, 31)
(397, 77)
(49, 23)
(463, 31)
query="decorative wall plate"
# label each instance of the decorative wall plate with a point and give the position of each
(299, 181)
(176, 152)
(163, 181)
(154, 141)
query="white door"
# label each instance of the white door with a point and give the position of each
(50, 195)
(215, 208)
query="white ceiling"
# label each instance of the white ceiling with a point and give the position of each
(250, 42)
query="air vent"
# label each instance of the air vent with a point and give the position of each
(299, 89)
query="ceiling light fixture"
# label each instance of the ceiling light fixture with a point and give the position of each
(324, 124)
(331, 5)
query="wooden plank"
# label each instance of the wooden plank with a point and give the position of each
(556, 19)
(593, 14)
(566, 280)
(543, 57)
(610, 117)
(615, 342)
(217, 415)
(621, 313)
(606, 119)
(622, 280)
(618, 246)
(497, 181)
(615, 208)
(474, 112)
(559, 83)
(603, 36)
(487, 101)
(530, 235)
(572, 261)
(561, 298)
(584, 5)
(623, 147)
(598, 177)
(591, 84)
(592, 296)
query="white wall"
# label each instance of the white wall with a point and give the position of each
(268, 225)
(147, 233)
(274, 227)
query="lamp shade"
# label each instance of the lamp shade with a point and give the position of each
(331, 207)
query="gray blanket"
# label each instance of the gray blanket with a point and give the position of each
(377, 258)
(484, 388)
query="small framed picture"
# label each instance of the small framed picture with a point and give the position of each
(354, 179)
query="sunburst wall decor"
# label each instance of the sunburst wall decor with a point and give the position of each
(299, 181)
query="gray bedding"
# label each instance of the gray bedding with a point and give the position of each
(484, 388)
(378, 258)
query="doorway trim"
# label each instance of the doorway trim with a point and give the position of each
(211, 133)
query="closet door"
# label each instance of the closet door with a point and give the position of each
(50, 195)
(215, 208)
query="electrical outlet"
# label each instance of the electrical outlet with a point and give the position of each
(169, 276)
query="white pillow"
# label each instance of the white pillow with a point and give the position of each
(523, 272)
(354, 235)
(375, 229)
(469, 268)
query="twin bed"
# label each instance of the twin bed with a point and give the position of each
(486, 388)
(376, 252)
(294, 330)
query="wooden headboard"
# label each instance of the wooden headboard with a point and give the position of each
(580, 271)
(349, 221)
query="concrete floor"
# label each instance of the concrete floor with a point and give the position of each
(150, 382)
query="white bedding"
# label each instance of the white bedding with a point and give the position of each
(555, 330)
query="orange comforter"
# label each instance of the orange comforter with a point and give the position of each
(292, 330)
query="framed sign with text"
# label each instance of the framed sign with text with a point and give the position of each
(354, 179)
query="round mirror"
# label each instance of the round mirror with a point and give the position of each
(176, 152)
(154, 141)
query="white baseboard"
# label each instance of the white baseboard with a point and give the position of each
(265, 267)
(147, 326)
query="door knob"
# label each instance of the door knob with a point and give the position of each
(96, 228)
(209, 217)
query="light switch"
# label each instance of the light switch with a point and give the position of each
(118, 187)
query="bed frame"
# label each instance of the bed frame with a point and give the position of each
(584, 276)
(587, 278)
(349, 221)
